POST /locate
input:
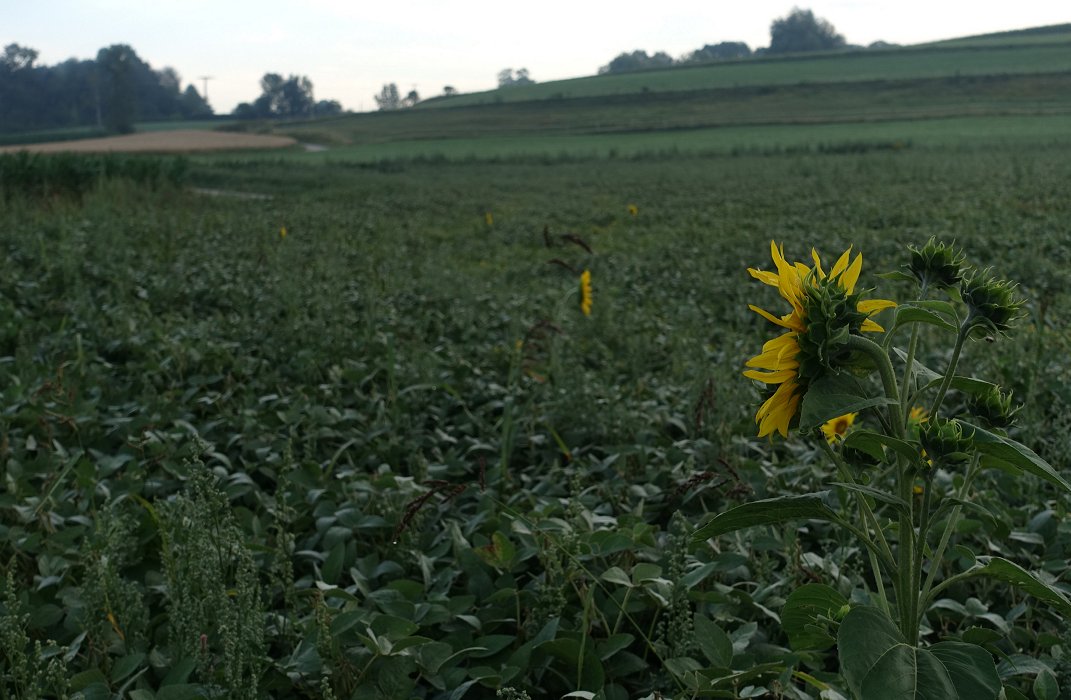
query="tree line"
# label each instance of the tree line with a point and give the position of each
(110, 92)
(798, 32)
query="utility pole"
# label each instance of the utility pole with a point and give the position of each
(204, 81)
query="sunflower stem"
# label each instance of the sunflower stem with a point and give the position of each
(964, 331)
(909, 366)
(867, 516)
(953, 520)
(888, 378)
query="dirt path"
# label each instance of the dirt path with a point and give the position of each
(180, 141)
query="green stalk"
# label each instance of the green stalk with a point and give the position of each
(964, 331)
(867, 516)
(950, 526)
(888, 377)
(909, 366)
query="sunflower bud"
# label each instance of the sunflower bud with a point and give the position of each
(991, 302)
(994, 407)
(832, 315)
(936, 265)
(945, 441)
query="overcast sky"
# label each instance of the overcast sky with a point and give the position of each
(350, 48)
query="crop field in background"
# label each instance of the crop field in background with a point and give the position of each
(335, 425)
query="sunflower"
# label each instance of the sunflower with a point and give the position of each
(585, 292)
(633, 210)
(822, 304)
(838, 427)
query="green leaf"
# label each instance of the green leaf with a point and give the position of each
(182, 691)
(834, 395)
(873, 443)
(1010, 572)
(876, 494)
(801, 617)
(970, 668)
(909, 673)
(713, 642)
(1016, 454)
(907, 313)
(126, 665)
(1046, 687)
(616, 575)
(767, 512)
(333, 566)
(865, 634)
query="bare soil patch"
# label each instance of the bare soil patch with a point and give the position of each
(179, 141)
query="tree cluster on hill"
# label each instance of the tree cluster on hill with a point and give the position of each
(507, 77)
(799, 31)
(286, 98)
(114, 90)
(389, 98)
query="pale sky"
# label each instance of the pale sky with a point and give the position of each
(349, 49)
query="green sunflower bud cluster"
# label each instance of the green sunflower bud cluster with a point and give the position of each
(994, 407)
(991, 302)
(832, 316)
(936, 265)
(945, 441)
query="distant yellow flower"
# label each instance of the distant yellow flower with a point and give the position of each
(489, 218)
(838, 427)
(585, 292)
(282, 232)
(917, 415)
(917, 490)
(633, 210)
(781, 359)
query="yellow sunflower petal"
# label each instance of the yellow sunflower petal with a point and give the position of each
(872, 306)
(790, 321)
(817, 264)
(842, 263)
(776, 377)
(871, 327)
(765, 277)
(851, 275)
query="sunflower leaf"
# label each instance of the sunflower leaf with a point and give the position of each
(876, 494)
(1016, 454)
(834, 395)
(907, 313)
(872, 443)
(809, 506)
(1010, 572)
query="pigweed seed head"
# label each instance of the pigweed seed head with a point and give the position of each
(994, 407)
(946, 441)
(936, 265)
(991, 302)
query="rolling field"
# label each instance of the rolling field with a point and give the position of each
(437, 412)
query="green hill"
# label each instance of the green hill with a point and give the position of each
(1021, 79)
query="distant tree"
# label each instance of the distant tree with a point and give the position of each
(801, 31)
(725, 51)
(279, 98)
(193, 105)
(17, 57)
(507, 77)
(116, 66)
(327, 108)
(449, 91)
(637, 60)
(389, 98)
(412, 99)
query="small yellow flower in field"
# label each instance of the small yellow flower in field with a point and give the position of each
(282, 232)
(917, 490)
(489, 218)
(917, 415)
(794, 359)
(837, 428)
(633, 210)
(585, 292)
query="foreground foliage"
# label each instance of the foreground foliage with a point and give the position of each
(388, 455)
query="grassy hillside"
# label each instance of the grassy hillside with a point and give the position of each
(1043, 53)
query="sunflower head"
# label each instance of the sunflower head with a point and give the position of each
(585, 292)
(825, 312)
(994, 407)
(633, 210)
(837, 428)
(991, 303)
(936, 265)
(946, 440)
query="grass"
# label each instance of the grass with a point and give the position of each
(852, 66)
